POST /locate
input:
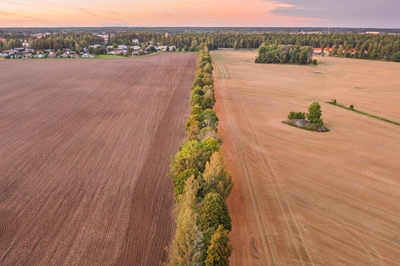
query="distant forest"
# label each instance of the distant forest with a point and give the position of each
(340, 41)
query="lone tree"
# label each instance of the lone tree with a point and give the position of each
(314, 114)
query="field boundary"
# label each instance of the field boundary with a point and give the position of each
(366, 114)
(201, 183)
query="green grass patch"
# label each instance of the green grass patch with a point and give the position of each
(364, 113)
(109, 56)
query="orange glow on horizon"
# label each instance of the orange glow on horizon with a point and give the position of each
(172, 13)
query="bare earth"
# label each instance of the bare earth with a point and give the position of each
(307, 198)
(84, 153)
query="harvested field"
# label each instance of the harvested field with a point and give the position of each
(302, 197)
(84, 153)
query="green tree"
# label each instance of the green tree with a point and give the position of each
(213, 212)
(396, 57)
(216, 179)
(220, 250)
(152, 49)
(193, 155)
(296, 115)
(315, 113)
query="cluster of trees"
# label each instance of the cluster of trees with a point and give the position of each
(314, 114)
(200, 180)
(285, 54)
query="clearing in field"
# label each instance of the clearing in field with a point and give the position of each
(84, 153)
(301, 197)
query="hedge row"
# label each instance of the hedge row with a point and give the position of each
(200, 181)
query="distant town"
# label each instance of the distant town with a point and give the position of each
(23, 49)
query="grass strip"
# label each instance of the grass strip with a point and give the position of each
(364, 113)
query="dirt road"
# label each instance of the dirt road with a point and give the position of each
(84, 153)
(307, 198)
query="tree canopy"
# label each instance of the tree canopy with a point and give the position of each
(315, 113)
(285, 54)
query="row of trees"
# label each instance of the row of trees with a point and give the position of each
(285, 54)
(200, 181)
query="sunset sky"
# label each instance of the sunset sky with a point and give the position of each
(197, 13)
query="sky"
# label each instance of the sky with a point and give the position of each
(201, 13)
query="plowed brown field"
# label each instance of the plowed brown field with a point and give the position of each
(84, 153)
(307, 198)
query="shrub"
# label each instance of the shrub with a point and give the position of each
(351, 107)
(296, 115)
(314, 61)
(334, 101)
(396, 57)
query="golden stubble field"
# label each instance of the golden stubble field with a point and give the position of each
(306, 198)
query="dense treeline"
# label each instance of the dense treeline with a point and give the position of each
(362, 46)
(380, 46)
(200, 181)
(75, 41)
(59, 41)
(285, 54)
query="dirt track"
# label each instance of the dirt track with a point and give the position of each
(306, 198)
(84, 152)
